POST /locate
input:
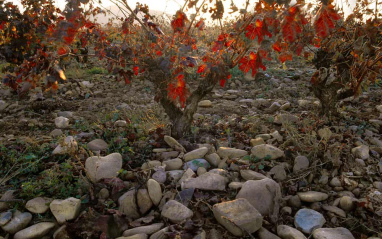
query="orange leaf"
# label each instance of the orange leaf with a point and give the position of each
(61, 51)
(136, 69)
(325, 20)
(201, 68)
(259, 29)
(253, 62)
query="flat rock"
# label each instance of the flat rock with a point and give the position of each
(196, 154)
(279, 173)
(263, 194)
(207, 181)
(205, 103)
(61, 122)
(98, 168)
(173, 164)
(312, 196)
(306, 220)
(267, 151)
(332, 233)
(144, 201)
(36, 231)
(176, 212)
(263, 233)
(196, 163)
(38, 205)
(300, 163)
(97, 145)
(336, 210)
(238, 215)
(287, 232)
(18, 222)
(65, 210)
(155, 191)
(128, 204)
(148, 230)
(361, 152)
(173, 143)
(213, 159)
(247, 174)
(8, 195)
(225, 152)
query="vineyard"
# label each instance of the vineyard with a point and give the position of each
(227, 119)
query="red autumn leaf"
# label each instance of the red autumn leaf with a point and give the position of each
(136, 69)
(222, 81)
(159, 53)
(178, 90)
(299, 49)
(325, 20)
(200, 25)
(291, 25)
(259, 29)
(276, 46)
(253, 62)
(68, 40)
(2, 25)
(61, 51)
(283, 57)
(201, 68)
(179, 21)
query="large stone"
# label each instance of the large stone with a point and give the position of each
(128, 204)
(144, 201)
(155, 191)
(361, 152)
(287, 232)
(264, 195)
(196, 154)
(173, 164)
(97, 145)
(196, 163)
(61, 122)
(205, 103)
(176, 212)
(332, 233)
(336, 210)
(136, 236)
(34, 232)
(225, 152)
(306, 220)
(150, 229)
(267, 151)
(173, 143)
(38, 205)
(312, 196)
(213, 159)
(61, 233)
(247, 174)
(65, 210)
(187, 175)
(5, 217)
(238, 215)
(263, 233)
(279, 173)
(300, 163)
(207, 181)
(69, 146)
(99, 168)
(18, 222)
(8, 195)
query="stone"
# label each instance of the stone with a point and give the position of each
(325, 133)
(148, 230)
(161, 234)
(378, 185)
(61, 233)
(205, 103)
(196, 163)
(151, 164)
(3, 105)
(136, 236)
(173, 143)
(187, 174)
(69, 146)
(285, 106)
(238, 215)
(36, 231)
(8, 195)
(56, 133)
(276, 135)
(335, 210)
(201, 171)
(274, 107)
(174, 175)
(173, 164)
(5, 217)
(61, 122)
(225, 152)
(361, 152)
(346, 203)
(263, 194)
(213, 159)
(18, 222)
(332, 233)
(312, 196)
(155, 191)
(196, 154)
(306, 220)
(38, 205)
(120, 123)
(323, 179)
(257, 141)
(279, 173)
(159, 176)
(97, 145)
(235, 185)
(176, 212)
(267, 151)
(207, 181)
(144, 201)
(128, 205)
(300, 163)
(285, 119)
(168, 155)
(247, 174)
(287, 232)
(263, 233)
(98, 168)
(65, 210)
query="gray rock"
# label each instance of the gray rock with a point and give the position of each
(173, 143)
(187, 175)
(225, 152)
(120, 123)
(287, 232)
(335, 210)
(18, 222)
(346, 203)
(144, 201)
(247, 174)
(285, 119)
(155, 191)
(264, 195)
(103, 193)
(65, 210)
(361, 152)
(235, 185)
(97, 145)
(56, 132)
(159, 176)
(312, 196)
(279, 173)
(300, 163)
(173, 164)
(332, 233)
(196, 163)
(36, 231)
(176, 212)
(335, 182)
(61, 122)
(174, 175)
(207, 181)
(161, 234)
(5, 217)
(267, 151)
(69, 146)
(8, 195)
(306, 220)
(201, 171)
(238, 215)
(213, 159)
(256, 141)
(150, 229)
(263, 233)
(98, 168)
(128, 205)
(151, 164)
(205, 103)
(38, 205)
(196, 154)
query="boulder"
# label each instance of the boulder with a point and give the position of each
(98, 168)
(207, 181)
(65, 210)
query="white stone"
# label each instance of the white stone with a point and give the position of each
(36, 231)
(69, 146)
(332, 233)
(150, 229)
(18, 222)
(38, 205)
(155, 191)
(267, 151)
(207, 181)
(196, 154)
(61, 122)
(65, 210)
(98, 168)
(176, 212)
(225, 152)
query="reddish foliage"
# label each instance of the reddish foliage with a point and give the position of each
(325, 19)
(259, 29)
(253, 62)
(178, 90)
(179, 21)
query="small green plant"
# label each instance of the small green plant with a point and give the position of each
(256, 163)
(96, 70)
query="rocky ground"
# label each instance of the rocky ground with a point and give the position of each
(94, 160)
